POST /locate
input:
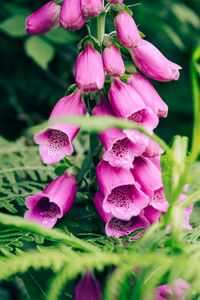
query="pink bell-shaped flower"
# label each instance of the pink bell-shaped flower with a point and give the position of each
(55, 201)
(115, 1)
(121, 146)
(88, 288)
(127, 104)
(71, 16)
(91, 8)
(55, 141)
(43, 20)
(148, 94)
(176, 291)
(127, 31)
(122, 195)
(148, 176)
(153, 63)
(116, 227)
(113, 61)
(89, 72)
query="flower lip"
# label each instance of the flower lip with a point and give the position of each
(54, 145)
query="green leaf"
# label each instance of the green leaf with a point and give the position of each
(14, 26)
(40, 51)
(167, 167)
(60, 170)
(61, 36)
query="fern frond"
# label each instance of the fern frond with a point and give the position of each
(21, 173)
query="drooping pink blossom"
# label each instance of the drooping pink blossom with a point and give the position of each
(116, 227)
(127, 104)
(113, 61)
(176, 291)
(55, 141)
(153, 149)
(121, 146)
(115, 1)
(91, 8)
(43, 20)
(122, 195)
(151, 214)
(71, 16)
(153, 63)
(127, 31)
(88, 288)
(186, 211)
(148, 176)
(89, 72)
(148, 94)
(55, 201)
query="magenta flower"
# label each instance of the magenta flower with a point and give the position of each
(91, 8)
(113, 61)
(121, 146)
(55, 201)
(89, 73)
(127, 31)
(148, 176)
(116, 227)
(43, 20)
(176, 291)
(153, 63)
(122, 195)
(151, 214)
(71, 16)
(127, 104)
(88, 288)
(115, 1)
(148, 94)
(152, 150)
(55, 141)
(186, 211)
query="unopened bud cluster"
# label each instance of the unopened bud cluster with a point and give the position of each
(130, 194)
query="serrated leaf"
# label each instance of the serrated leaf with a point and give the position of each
(14, 26)
(40, 51)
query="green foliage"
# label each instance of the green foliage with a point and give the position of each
(14, 26)
(21, 174)
(39, 50)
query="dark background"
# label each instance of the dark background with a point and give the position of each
(28, 89)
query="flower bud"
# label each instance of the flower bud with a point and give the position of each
(89, 72)
(88, 288)
(127, 31)
(55, 141)
(56, 199)
(43, 20)
(91, 8)
(153, 63)
(148, 94)
(71, 16)
(113, 61)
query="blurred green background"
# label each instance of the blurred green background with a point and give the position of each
(36, 71)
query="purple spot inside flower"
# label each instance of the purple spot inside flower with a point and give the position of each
(139, 116)
(120, 148)
(57, 140)
(120, 226)
(121, 196)
(159, 196)
(47, 209)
